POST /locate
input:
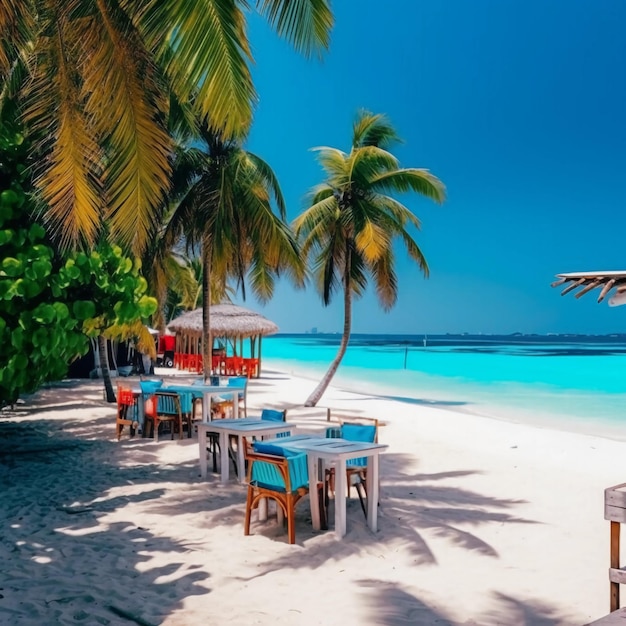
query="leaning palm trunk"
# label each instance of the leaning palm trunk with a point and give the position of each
(207, 339)
(318, 392)
(104, 368)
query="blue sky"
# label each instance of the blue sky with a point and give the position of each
(519, 107)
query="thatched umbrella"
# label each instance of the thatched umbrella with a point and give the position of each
(228, 321)
(588, 281)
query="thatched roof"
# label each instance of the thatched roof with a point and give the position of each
(227, 320)
(588, 281)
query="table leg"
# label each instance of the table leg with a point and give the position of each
(236, 405)
(340, 498)
(313, 492)
(371, 486)
(203, 455)
(241, 461)
(224, 465)
(206, 407)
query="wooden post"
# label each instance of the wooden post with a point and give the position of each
(615, 512)
(615, 530)
(258, 370)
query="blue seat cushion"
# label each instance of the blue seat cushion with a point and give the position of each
(150, 386)
(358, 432)
(272, 415)
(269, 448)
(268, 476)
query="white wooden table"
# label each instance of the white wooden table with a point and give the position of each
(245, 427)
(337, 451)
(207, 392)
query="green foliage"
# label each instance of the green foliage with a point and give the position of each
(49, 305)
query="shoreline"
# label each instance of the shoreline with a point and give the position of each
(499, 411)
(481, 522)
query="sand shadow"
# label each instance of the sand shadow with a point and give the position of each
(388, 604)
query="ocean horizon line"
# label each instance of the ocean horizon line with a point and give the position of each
(448, 334)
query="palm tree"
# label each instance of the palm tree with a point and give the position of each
(351, 222)
(225, 197)
(95, 80)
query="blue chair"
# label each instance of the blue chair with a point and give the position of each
(241, 382)
(166, 407)
(279, 475)
(275, 415)
(356, 469)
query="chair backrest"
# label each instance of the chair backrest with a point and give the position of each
(150, 386)
(125, 396)
(359, 432)
(274, 415)
(238, 381)
(241, 383)
(168, 403)
(186, 402)
(271, 469)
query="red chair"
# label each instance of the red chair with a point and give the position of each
(126, 412)
(253, 368)
(236, 366)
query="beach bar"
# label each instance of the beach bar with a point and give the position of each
(230, 326)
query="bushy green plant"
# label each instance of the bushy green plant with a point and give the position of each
(49, 305)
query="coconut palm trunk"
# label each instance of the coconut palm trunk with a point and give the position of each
(318, 392)
(207, 339)
(104, 368)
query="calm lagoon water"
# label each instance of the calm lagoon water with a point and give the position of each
(575, 383)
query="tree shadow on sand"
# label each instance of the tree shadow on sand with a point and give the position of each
(63, 560)
(388, 604)
(413, 507)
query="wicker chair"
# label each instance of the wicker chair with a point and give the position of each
(279, 478)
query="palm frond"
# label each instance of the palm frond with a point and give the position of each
(385, 280)
(371, 129)
(371, 241)
(334, 163)
(204, 49)
(268, 180)
(131, 121)
(304, 23)
(323, 211)
(418, 180)
(400, 214)
(69, 175)
(17, 33)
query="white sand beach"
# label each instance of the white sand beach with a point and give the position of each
(480, 522)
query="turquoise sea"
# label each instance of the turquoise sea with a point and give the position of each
(574, 383)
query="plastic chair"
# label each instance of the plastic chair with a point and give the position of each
(126, 402)
(356, 469)
(282, 478)
(166, 407)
